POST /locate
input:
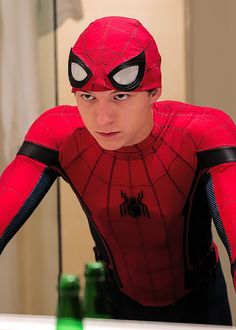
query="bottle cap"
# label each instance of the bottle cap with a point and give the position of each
(95, 269)
(69, 282)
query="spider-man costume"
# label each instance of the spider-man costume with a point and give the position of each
(149, 205)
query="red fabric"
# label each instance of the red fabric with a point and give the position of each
(20, 177)
(153, 179)
(16, 184)
(225, 192)
(118, 39)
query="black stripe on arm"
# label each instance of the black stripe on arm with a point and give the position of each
(41, 188)
(233, 268)
(43, 154)
(213, 157)
(214, 210)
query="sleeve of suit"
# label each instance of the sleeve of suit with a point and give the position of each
(26, 180)
(221, 191)
(217, 158)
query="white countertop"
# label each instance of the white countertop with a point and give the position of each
(33, 322)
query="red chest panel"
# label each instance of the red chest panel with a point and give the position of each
(149, 206)
(136, 196)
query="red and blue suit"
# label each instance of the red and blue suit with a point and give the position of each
(150, 205)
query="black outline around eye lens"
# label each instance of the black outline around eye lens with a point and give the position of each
(75, 59)
(137, 60)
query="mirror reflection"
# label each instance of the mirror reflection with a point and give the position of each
(148, 263)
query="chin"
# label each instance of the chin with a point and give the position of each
(109, 146)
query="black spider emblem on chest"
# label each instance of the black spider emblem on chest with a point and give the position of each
(133, 206)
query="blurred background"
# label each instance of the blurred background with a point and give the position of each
(197, 42)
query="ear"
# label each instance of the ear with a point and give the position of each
(155, 94)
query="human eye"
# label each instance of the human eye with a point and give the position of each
(87, 97)
(121, 96)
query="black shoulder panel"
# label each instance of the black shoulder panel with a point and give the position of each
(44, 155)
(213, 157)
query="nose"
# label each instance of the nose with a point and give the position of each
(104, 114)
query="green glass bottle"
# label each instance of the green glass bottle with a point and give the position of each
(69, 313)
(94, 301)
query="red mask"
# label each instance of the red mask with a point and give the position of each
(115, 53)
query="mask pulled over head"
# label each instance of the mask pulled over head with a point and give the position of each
(114, 53)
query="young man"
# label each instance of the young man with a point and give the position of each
(149, 175)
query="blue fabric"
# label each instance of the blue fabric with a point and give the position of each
(41, 188)
(207, 304)
(215, 214)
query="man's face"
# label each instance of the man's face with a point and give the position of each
(117, 119)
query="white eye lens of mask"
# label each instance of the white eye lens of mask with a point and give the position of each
(78, 73)
(127, 76)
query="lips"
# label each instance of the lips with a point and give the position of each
(107, 134)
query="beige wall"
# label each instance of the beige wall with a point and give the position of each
(29, 263)
(212, 53)
(211, 72)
